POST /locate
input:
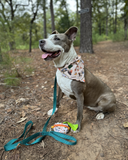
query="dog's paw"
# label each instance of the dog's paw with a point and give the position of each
(49, 113)
(100, 116)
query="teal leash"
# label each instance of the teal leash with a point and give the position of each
(12, 144)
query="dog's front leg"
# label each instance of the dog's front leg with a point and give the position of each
(59, 97)
(78, 89)
(80, 102)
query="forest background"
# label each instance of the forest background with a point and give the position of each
(24, 23)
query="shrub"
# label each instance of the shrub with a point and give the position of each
(15, 67)
(12, 79)
(119, 36)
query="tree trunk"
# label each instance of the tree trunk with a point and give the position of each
(68, 20)
(113, 3)
(125, 20)
(86, 28)
(99, 23)
(30, 37)
(99, 27)
(36, 35)
(52, 15)
(77, 15)
(31, 24)
(44, 17)
(12, 44)
(115, 28)
(125, 28)
(1, 58)
(106, 18)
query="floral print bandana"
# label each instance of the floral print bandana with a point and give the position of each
(74, 70)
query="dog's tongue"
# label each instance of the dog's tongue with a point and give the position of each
(46, 55)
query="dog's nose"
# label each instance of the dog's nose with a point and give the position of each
(41, 42)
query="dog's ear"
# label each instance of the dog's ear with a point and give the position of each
(71, 33)
(55, 32)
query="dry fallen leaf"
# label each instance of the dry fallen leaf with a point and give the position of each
(26, 107)
(44, 113)
(9, 110)
(51, 98)
(36, 109)
(33, 107)
(2, 105)
(1, 120)
(125, 125)
(42, 144)
(43, 98)
(22, 120)
(23, 114)
(52, 86)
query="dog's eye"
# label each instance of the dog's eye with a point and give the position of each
(56, 39)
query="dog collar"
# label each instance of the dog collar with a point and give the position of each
(74, 70)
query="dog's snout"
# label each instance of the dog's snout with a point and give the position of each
(41, 42)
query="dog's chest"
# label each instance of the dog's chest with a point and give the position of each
(64, 83)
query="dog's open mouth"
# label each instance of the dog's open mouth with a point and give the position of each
(50, 55)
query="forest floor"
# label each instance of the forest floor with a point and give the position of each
(105, 139)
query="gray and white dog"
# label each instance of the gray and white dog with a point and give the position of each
(93, 94)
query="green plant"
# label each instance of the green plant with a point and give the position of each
(119, 36)
(7, 60)
(97, 38)
(12, 78)
(29, 70)
(16, 67)
(77, 41)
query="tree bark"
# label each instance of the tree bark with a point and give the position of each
(113, 4)
(115, 26)
(77, 15)
(44, 17)
(106, 17)
(52, 15)
(12, 42)
(86, 28)
(30, 32)
(99, 22)
(125, 28)
(99, 28)
(125, 20)
(1, 58)
(31, 24)
(30, 38)
(68, 21)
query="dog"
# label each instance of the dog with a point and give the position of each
(93, 93)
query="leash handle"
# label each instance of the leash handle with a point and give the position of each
(12, 144)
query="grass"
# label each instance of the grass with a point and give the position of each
(15, 68)
(12, 79)
(29, 70)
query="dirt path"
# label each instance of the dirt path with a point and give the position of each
(105, 139)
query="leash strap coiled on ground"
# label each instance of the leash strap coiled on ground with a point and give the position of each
(12, 144)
